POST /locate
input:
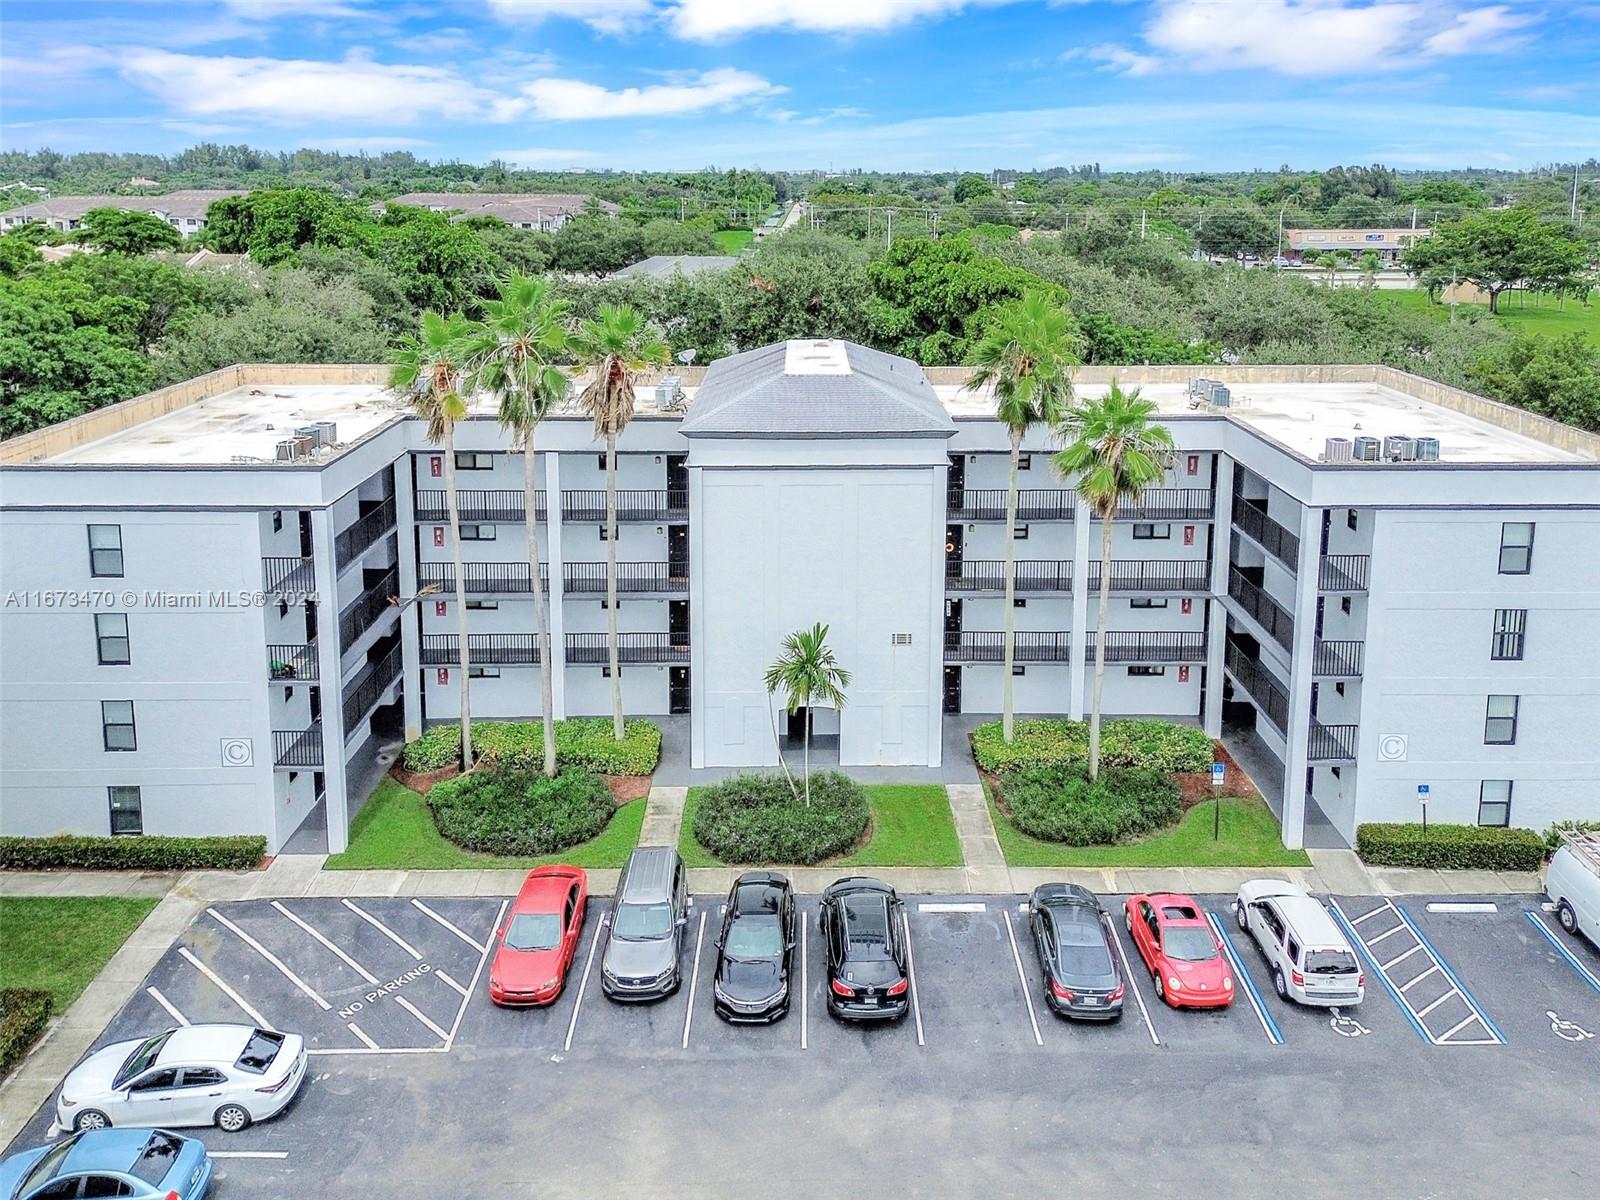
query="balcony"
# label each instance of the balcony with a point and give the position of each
(288, 576)
(1331, 743)
(989, 575)
(1275, 539)
(297, 747)
(973, 645)
(1337, 659)
(368, 687)
(363, 612)
(484, 649)
(632, 505)
(1270, 699)
(1344, 573)
(1263, 608)
(1169, 504)
(1140, 646)
(289, 662)
(989, 504)
(1154, 575)
(590, 648)
(633, 578)
(477, 505)
(361, 535)
(495, 578)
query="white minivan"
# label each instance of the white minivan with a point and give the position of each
(1310, 959)
(1572, 881)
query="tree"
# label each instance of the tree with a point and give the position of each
(512, 354)
(116, 231)
(428, 366)
(18, 256)
(1026, 355)
(595, 245)
(1114, 452)
(1498, 250)
(617, 343)
(971, 187)
(1234, 231)
(1557, 377)
(807, 671)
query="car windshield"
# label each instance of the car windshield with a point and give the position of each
(1188, 943)
(535, 931)
(143, 1056)
(754, 937)
(642, 922)
(1330, 962)
(157, 1158)
(47, 1166)
(259, 1051)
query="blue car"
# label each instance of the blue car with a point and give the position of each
(144, 1164)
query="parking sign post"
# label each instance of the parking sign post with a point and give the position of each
(1422, 799)
(1219, 773)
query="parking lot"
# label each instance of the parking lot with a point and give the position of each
(1472, 1068)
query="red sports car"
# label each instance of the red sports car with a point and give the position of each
(539, 939)
(1181, 951)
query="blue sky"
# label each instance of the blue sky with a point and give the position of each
(890, 84)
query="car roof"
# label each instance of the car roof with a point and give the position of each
(1310, 921)
(648, 875)
(548, 890)
(106, 1150)
(206, 1043)
(1165, 902)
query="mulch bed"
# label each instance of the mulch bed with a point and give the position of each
(421, 781)
(627, 788)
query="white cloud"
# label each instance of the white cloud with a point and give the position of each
(710, 20)
(575, 100)
(266, 10)
(1480, 30)
(1117, 59)
(605, 16)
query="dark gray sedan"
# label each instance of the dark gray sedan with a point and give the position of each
(1074, 946)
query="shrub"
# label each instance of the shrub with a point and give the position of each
(511, 811)
(149, 853)
(1471, 847)
(756, 819)
(24, 1012)
(1552, 836)
(436, 749)
(1060, 804)
(1054, 742)
(584, 742)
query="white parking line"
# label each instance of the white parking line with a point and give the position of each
(445, 978)
(694, 980)
(476, 945)
(1368, 916)
(272, 1154)
(1430, 971)
(172, 1010)
(422, 1016)
(805, 924)
(383, 929)
(911, 976)
(1400, 928)
(1022, 978)
(343, 957)
(1457, 906)
(1244, 982)
(1459, 1026)
(226, 990)
(271, 958)
(583, 984)
(1130, 981)
(365, 1040)
(483, 958)
(1400, 958)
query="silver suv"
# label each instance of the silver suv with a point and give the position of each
(646, 932)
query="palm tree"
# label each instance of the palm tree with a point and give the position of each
(1026, 353)
(511, 353)
(617, 343)
(807, 671)
(1114, 452)
(429, 366)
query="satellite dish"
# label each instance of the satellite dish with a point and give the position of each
(686, 356)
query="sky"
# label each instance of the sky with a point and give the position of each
(1176, 85)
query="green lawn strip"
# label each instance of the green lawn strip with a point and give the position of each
(58, 944)
(911, 827)
(1250, 838)
(733, 241)
(395, 831)
(1539, 314)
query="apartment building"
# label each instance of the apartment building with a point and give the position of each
(547, 211)
(185, 211)
(221, 598)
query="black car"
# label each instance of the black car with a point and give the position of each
(755, 949)
(1074, 945)
(863, 928)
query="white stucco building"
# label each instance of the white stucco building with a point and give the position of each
(218, 598)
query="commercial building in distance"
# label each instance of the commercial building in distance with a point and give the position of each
(1387, 243)
(221, 597)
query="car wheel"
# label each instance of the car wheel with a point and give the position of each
(1242, 917)
(232, 1118)
(1280, 983)
(1161, 985)
(1567, 917)
(92, 1118)
(1127, 919)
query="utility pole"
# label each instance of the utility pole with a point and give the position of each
(1141, 224)
(1413, 218)
(888, 236)
(1280, 233)
(1573, 215)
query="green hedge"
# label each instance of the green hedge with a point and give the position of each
(583, 742)
(511, 811)
(1060, 804)
(24, 1012)
(1474, 847)
(1552, 836)
(1056, 742)
(756, 819)
(131, 853)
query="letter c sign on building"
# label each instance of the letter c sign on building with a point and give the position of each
(438, 535)
(444, 675)
(1188, 535)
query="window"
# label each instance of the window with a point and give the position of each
(1494, 802)
(467, 460)
(1146, 672)
(157, 1081)
(105, 551)
(1146, 602)
(1018, 669)
(1021, 533)
(283, 608)
(1019, 602)
(1509, 624)
(116, 725)
(1344, 605)
(201, 1077)
(600, 461)
(605, 532)
(477, 533)
(1025, 462)
(1516, 547)
(1144, 532)
(1350, 519)
(102, 1187)
(1339, 688)
(277, 521)
(127, 810)
(483, 672)
(111, 638)
(605, 671)
(1500, 721)
(483, 606)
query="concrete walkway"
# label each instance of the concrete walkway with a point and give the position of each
(663, 816)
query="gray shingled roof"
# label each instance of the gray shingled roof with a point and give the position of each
(664, 266)
(772, 392)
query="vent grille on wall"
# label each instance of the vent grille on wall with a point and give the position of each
(900, 639)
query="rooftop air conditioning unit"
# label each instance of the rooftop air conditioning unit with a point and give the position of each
(304, 446)
(1397, 448)
(1367, 449)
(288, 450)
(667, 389)
(1337, 450)
(1200, 387)
(1221, 397)
(328, 431)
(1427, 449)
(309, 431)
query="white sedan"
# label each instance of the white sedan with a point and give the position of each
(223, 1075)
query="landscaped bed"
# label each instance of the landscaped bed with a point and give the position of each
(585, 742)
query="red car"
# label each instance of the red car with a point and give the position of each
(1182, 953)
(539, 939)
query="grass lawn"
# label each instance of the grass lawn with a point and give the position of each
(59, 944)
(1540, 314)
(911, 827)
(395, 831)
(1249, 839)
(733, 241)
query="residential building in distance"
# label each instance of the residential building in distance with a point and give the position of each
(185, 211)
(522, 210)
(221, 598)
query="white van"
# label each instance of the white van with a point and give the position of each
(1310, 959)
(1572, 881)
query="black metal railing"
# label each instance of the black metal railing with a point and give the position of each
(360, 536)
(1344, 572)
(1152, 646)
(509, 578)
(657, 504)
(1169, 504)
(1272, 537)
(1331, 743)
(989, 575)
(281, 576)
(362, 612)
(484, 649)
(1337, 658)
(590, 577)
(1269, 697)
(591, 649)
(1266, 611)
(981, 645)
(1154, 575)
(292, 662)
(364, 691)
(297, 747)
(476, 504)
(989, 504)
